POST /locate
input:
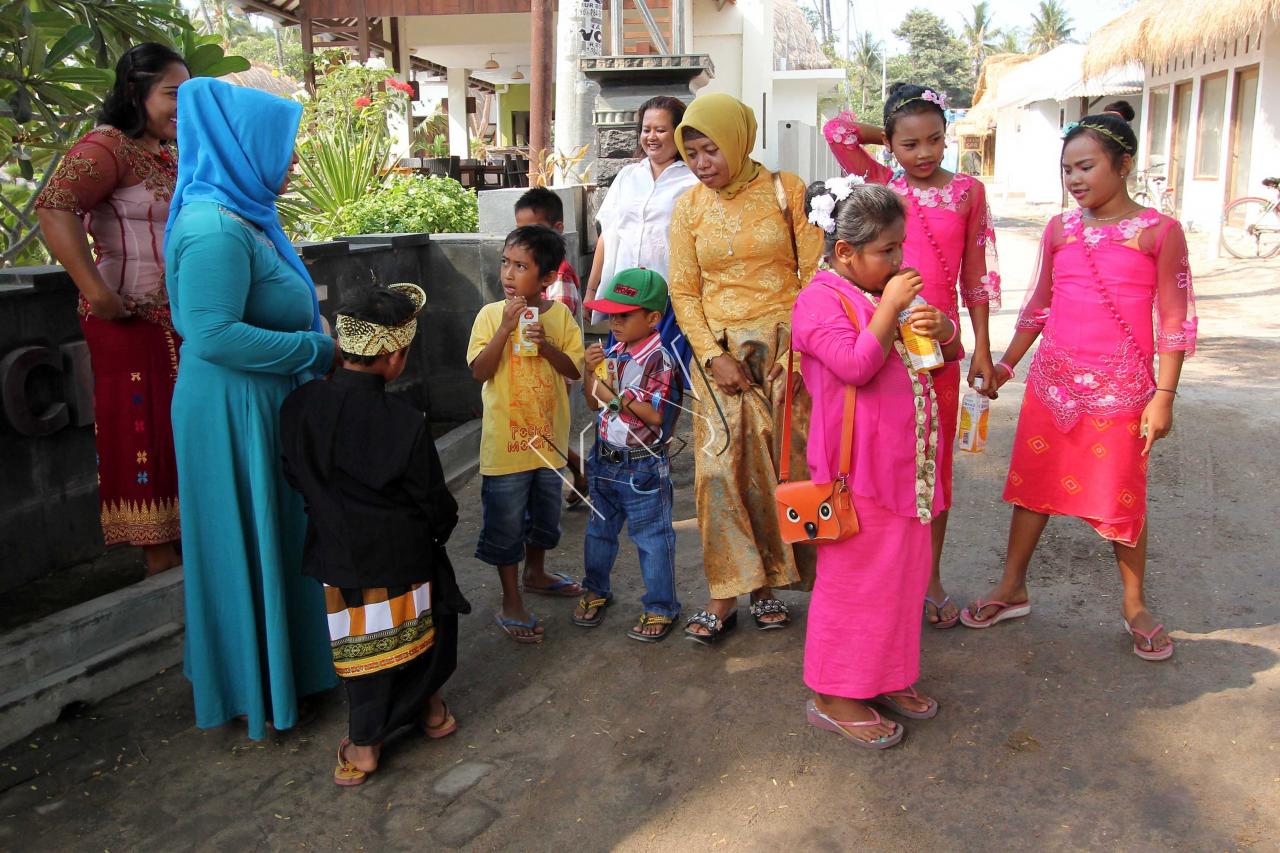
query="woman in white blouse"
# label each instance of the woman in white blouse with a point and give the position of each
(636, 214)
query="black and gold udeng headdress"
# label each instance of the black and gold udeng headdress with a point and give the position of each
(360, 337)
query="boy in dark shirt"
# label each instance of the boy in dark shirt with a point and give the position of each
(379, 513)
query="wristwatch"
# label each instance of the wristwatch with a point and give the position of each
(614, 405)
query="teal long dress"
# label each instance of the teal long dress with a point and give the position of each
(257, 634)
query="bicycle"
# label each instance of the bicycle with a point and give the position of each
(1153, 190)
(1251, 225)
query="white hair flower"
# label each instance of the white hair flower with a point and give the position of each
(841, 187)
(824, 203)
(823, 221)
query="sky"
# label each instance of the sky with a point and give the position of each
(881, 18)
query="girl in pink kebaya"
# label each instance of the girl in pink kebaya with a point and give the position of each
(1093, 405)
(949, 238)
(862, 645)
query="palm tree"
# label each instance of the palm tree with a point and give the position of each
(1010, 41)
(979, 35)
(1050, 28)
(864, 63)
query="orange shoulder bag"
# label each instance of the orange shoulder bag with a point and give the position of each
(817, 512)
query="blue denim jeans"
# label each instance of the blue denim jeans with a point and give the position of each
(519, 509)
(638, 493)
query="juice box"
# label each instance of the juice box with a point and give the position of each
(522, 346)
(924, 352)
(607, 372)
(975, 409)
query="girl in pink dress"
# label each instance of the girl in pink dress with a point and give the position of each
(1093, 405)
(949, 238)
(862, 645)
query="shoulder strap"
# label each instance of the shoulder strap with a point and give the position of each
(846, 425)
(780, 193)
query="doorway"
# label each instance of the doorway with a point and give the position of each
(1178, 145)
(1244, 109)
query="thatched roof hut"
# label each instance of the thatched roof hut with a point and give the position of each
(1156, 30)
(794, 46)
(981, 116)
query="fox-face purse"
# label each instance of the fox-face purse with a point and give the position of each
(810, 511)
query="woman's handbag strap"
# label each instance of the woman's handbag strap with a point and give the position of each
(846, 425)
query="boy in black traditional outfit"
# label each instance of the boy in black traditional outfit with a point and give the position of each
(379, 514)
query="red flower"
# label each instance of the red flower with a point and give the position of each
(403, 87)
(363, 102)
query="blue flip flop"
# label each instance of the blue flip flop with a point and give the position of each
(563, 587)
(507, 624)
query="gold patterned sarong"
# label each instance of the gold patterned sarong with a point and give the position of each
(742, 547)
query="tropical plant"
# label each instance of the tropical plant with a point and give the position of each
(410, 204)
(556, 165)
(865, 71)
(344, 145)
(979, 35)
(56, 58)
(1051, 26)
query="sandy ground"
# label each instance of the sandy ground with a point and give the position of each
(1052, 736)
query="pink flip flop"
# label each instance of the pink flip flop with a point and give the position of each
(819, 720)
(1153, 654)
(1004, 611)
(888, 702)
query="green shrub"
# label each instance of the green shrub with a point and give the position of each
(410, 204)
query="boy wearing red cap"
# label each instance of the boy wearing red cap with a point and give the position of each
(628, 470)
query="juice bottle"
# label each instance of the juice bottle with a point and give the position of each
(974, 411)
(924, 352)
(522, 345)
(607, 372)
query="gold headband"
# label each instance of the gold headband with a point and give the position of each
(360, 337)
(1097, 128)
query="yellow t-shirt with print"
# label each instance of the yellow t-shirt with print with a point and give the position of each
(525, 402)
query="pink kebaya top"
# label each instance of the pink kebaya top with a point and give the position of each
(1106, 298)
(833, 354)
(121, 191)
(950, 235)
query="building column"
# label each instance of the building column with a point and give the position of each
(540, 106)
(400, 126)
(579, 32)
(459, 133)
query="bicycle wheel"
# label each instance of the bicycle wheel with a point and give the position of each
(1251, 228)
(1143, 198)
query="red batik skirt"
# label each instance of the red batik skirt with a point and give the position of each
(135, 365)
(1094, 471)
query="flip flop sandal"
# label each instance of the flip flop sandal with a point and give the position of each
(507, 624)
(713, 623)
(890, 703)
(589, 604)
(941, 624)
(759, 609)
(575, 499)
(446, 728)
(1151, 652)
(647, 619)
(563, 587)
(1004, 611)
(817, 719)
(346, 774)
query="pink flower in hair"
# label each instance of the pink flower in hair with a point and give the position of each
(939, 98)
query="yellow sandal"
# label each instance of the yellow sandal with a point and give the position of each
(346, 774)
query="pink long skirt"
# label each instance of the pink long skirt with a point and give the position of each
(863, 631)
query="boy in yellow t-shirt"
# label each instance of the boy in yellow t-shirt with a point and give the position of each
(525, 428)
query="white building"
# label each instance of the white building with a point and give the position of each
(1034, 103)
(1211, 95)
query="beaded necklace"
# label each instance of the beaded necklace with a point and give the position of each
(948, 279)
(926, 428)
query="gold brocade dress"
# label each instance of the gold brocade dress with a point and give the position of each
(733, 284)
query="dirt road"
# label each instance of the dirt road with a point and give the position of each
(1052, 736)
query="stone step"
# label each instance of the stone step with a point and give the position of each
(31, 705)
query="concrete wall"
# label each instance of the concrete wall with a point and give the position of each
(48, 491)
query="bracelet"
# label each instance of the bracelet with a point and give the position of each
(1168, 391)
(955, 330)
(1005, 365)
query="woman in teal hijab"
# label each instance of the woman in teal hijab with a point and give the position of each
(257, 634)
